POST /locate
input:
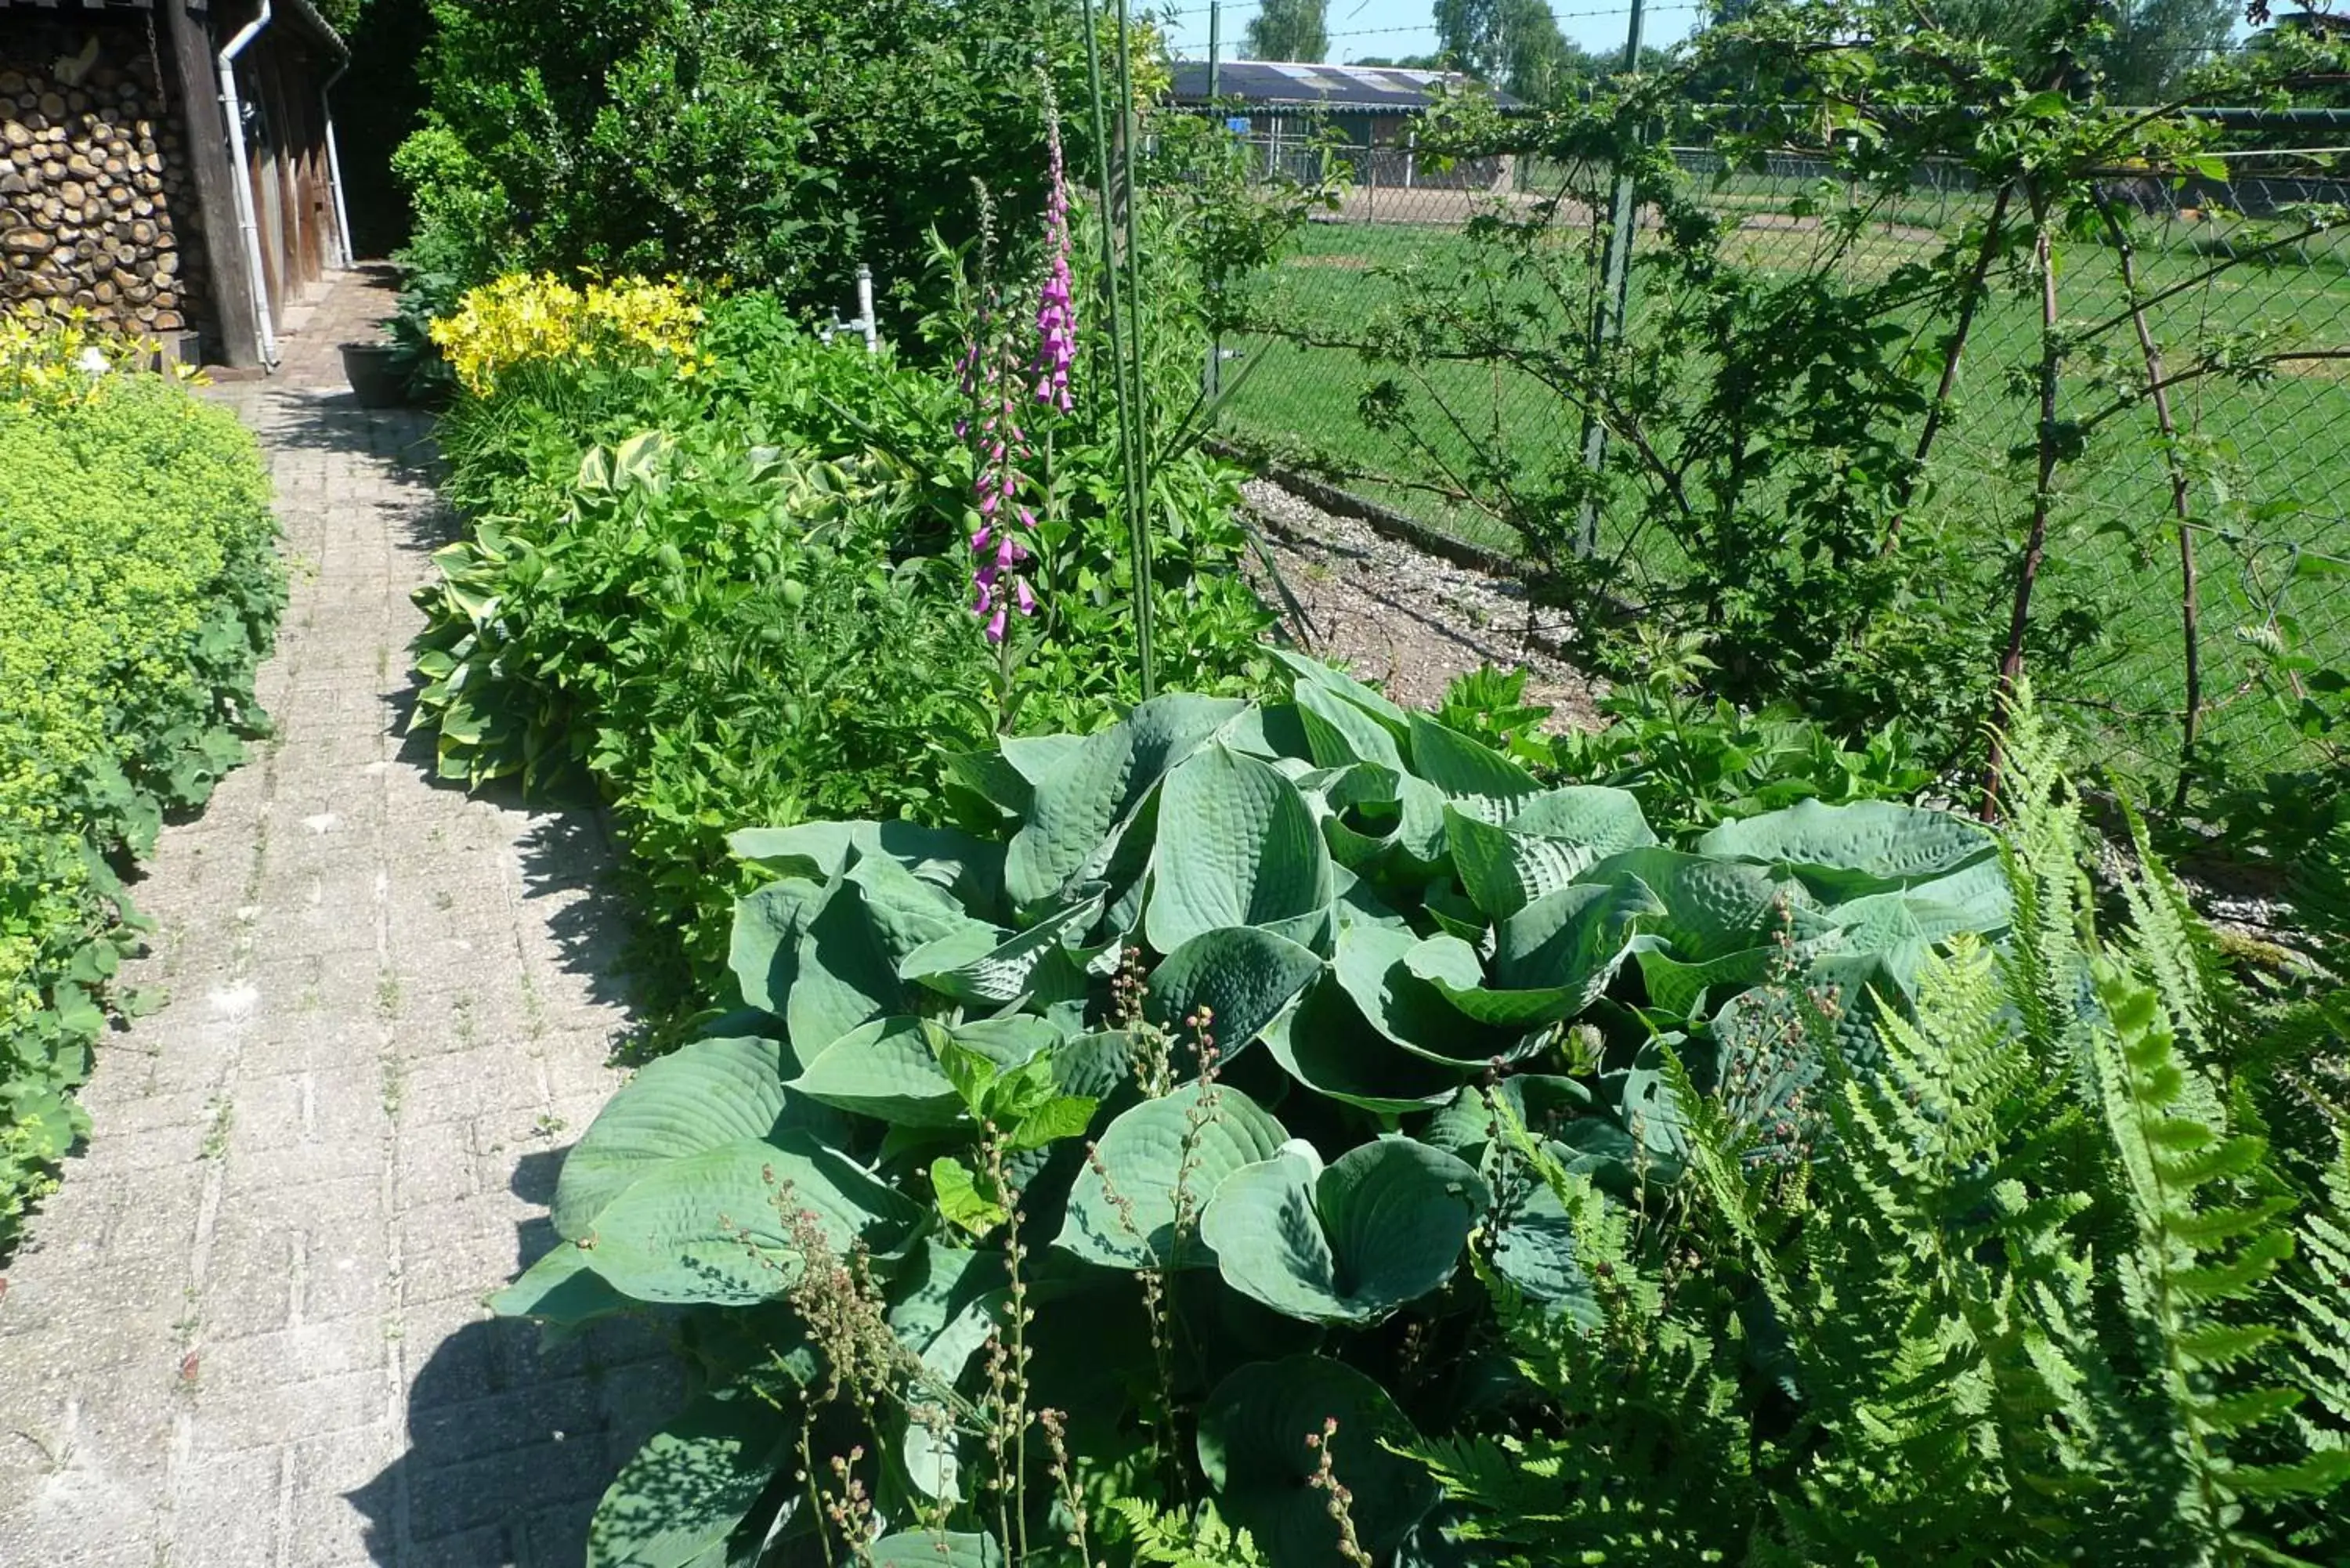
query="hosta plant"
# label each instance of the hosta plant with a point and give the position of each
(1137, 1136)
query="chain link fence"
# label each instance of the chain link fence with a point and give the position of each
(2222, 260)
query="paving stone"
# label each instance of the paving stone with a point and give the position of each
(248, 1330)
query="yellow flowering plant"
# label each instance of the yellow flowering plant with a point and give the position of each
(52, 358)
(524, 318)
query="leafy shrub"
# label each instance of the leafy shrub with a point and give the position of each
(1693, 762)
(748, 601)
(2059, 1285)
(703, 626)
(1690, 762)
(1096, 1104)
(138, 590)
(775, 144)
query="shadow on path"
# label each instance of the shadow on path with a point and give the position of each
(514, 1433)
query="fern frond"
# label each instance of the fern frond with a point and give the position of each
(2042, 850)
(1174, 1539)
(2169, 942)
(2199, 1273)
(1945, 1297)
(2322, 1292)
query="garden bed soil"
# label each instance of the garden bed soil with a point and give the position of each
(1396, 615)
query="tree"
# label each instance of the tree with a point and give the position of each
(2154, 42)
(1290, 30)
(1513, 44)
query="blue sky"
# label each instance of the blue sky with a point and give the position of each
(1391, 27)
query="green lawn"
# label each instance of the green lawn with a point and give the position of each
(2285, 444)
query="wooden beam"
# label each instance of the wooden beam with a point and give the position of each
(195, 92)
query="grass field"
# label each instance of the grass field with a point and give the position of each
(2284, 442)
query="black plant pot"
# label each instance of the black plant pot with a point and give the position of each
(376, 379)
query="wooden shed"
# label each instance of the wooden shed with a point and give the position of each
(170, 165)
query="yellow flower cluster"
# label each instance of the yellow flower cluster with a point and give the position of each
(526, 317)
(52, 358)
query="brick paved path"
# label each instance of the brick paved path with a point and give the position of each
(247, 1332)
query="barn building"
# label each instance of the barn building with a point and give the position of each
(1367, 117)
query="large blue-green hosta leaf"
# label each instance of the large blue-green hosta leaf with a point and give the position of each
(1237, 845)
(1323, 1043)
(706, 1093)
(561, 1290)
(1976, 900)
(935, 1549)
(1406, 1007)
(986, 966)
(846, 975)
(971, 868)
(1340, 731)
(1311, 675)
(1349, 1243)
(1122, 1210)
(1709, 907)
(1534, 1249)
(1840, 852)
(763, 952)
(1479, 781)
(907, 913)
(1374, 815)
(1684, 989)
(688, 1488)
(1244, 976)
(1253, 1449)
(1551, 959)
(1543, 846)
(946, 1302)
(711, 1228)
(1085, 791)
(888, 1070)
(1540, 1101)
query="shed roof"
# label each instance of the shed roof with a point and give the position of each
(1388, 90)
(301, 13)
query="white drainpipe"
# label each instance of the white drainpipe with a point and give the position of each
(241, 176)
(335, 165)
(865, 309)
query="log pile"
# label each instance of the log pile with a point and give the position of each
(96, 205)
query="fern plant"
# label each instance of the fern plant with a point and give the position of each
(2031, 1283)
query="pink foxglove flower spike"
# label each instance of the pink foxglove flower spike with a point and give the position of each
(994, 387)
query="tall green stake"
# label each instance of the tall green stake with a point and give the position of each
(1121, 300)
(1607, 310)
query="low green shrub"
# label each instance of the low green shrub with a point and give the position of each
(1158, 1095)
(2062, 1279)
(742, 595)
(1689, 760)
(137, 590)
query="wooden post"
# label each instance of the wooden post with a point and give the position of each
(195, 96)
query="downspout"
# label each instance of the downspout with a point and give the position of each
(240, 178)
(335, 165)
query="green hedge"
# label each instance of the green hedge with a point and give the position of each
(743, 596)
(138, 590)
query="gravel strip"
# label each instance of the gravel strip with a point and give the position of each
(1412, 621)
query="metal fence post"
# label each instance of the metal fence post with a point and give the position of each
(1607, 310)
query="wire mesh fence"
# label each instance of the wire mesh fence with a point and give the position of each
(2227, 532)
